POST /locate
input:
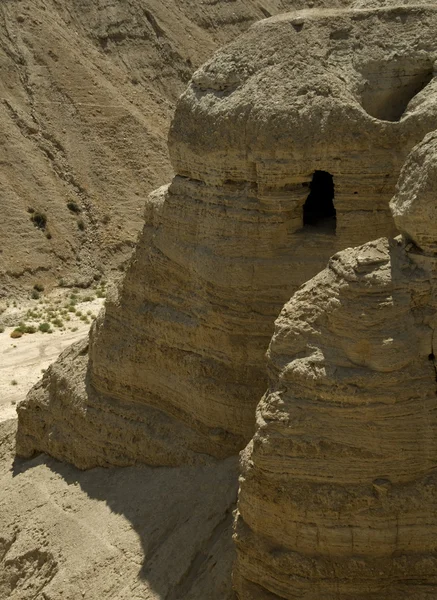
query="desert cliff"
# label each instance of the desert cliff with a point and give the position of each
(87, 92)
(271, 180)
(296, 144)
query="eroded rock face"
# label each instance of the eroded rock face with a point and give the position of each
(338, 494)
(287, 146)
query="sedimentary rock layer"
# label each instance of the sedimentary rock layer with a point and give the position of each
(338, 490)
(87, 93)
(287, 146)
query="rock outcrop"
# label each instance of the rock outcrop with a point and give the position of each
(87, 92)
(338, 490)
(287, 146)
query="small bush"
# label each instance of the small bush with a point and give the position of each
(100, 294)
(74, 208)
(88, 298)
(44, 327)
(14, 382)
(79, 313)
(81, 224)
(30, 329)
(38, 287)
(58, 323)
(35, 295)
(39, 219)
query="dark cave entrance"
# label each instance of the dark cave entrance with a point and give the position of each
(319, 210)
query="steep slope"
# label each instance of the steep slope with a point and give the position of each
(86, 91)
(175, 366)
(338, 489)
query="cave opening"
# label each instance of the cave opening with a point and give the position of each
(319, 210)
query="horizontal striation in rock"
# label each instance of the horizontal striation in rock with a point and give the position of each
(337, 495)
(232, 238)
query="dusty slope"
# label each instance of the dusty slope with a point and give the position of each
(86, 91)
(114, 534)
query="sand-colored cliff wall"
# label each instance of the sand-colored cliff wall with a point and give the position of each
(176, 364)
(87, 91)
(338, 488)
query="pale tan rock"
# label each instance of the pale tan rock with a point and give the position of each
(414, 207)
(177, 361)
(338, 489)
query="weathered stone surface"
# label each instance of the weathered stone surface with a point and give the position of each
(414, 208)
(177, 362)
(338, 492)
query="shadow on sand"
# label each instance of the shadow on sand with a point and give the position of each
(183, 517)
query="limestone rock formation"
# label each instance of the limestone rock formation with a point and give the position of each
(287, 146)
(87, 92)
(338, 492)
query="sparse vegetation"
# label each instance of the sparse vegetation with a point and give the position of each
(44, 327)
(39, 219)
(74, 207)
